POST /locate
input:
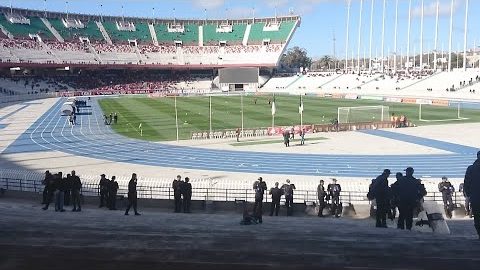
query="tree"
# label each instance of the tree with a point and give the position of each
(296, 57)
(326, 61)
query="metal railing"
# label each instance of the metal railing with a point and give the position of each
(214, 194)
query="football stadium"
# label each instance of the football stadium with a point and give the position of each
(232, 141)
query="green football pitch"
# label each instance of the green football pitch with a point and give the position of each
(157, 115)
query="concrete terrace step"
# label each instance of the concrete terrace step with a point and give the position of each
(208, 240)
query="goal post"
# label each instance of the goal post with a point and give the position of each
(363, 114)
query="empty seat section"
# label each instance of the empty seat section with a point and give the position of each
(141, 33)
(91, 30)
(257, 35)
(36, 26)
(212, 37)
(188, 37)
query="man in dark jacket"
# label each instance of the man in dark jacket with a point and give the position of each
(68, 190)
(321, 194)
(447, 190)
(177, 193)
(187, 195)
(132, 195)
(103, 188)
(259, 187)
(381, 193)
(76, 187)
(276, 195)
(45, 182)
(51, 188)
(112, 194)
(288, 191)
(334, 191)
(471, 185)
(408, 191)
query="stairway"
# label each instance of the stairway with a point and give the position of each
(200, 35)
(104, 33)
(246, 35)
(53, 30)
(151, 27)
(95, 53)
(5, 32)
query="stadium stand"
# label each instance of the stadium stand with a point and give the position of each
(141, 33)
(258, 32)
(91, 30)
(188, 37)
(214, 33)
(35, 27)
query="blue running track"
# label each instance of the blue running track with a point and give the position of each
(91, 138)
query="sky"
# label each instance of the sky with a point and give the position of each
(322, 20)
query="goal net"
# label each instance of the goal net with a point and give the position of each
(362, 114)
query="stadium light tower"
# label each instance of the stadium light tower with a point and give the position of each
(383, 33)
(465, 37)
(371, 38)
(45, 8)
(359, 36)
(435, 50)
(408, 34)
(421, 36)
(395, 39)
(349, 4)
(450, 37)
(66, 8)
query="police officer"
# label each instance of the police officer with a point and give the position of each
(288, 191)
(132, 195)
(471, 185)
(334, 190)
(45, 182)
(177, 193)
(259, 187)
(68, 190)
(321, 194)
(447, 190)
(103, 188)
(381, 193)
(187, 195)
(408, 191)
(276, 195)
(50, 186)
(76, 187)
(112, 194)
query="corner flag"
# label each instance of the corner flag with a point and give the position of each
(274, 109)
(300, 106)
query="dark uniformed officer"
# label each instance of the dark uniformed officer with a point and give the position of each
(259, 187)
(187, 195)
(276, 195)
(112, 194)
(177, 193)
(45, 182)
(472, 190)
(447, 190)
(51, 187)
(408, 191)
(76, 187)
(321, 194)
(132, 195)
(334, 190)
(381, 193)
(288, 191)
(68, 190)
(103, 188)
